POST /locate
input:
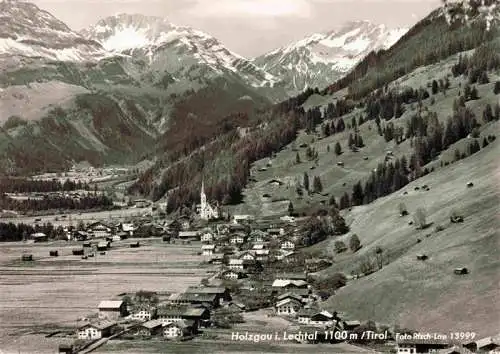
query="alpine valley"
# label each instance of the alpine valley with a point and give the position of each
(110, 92)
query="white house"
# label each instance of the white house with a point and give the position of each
(235, 264)
(288, 306)
(261, 255)
(178, 329)
(237, 240)
(143, 313)
(241, 218)
(259, 246)
(207, 250)
(128, 228)
(287, 246)
(284, 254)
(207, 237)
(247, 256)
(96, 330)
(99, 230)
(315, 317)
(231, 274)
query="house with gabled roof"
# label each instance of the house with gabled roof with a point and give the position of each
(288, 306)
(96, 330)
(179, 329)
(149, 328)
(208, 250)
(315, 317)
(168, 314)
(112, 309)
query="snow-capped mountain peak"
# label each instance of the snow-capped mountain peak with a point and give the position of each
(28, 31)
(156, 38)
(321, 58)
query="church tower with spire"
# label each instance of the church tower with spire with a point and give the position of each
(206, 210)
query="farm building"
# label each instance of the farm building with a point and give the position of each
(217, 258)
(242, 218)
(99, 230)
(199, 315)
(102, 246)
(237, 239)
(66, 348)
(207, 237)
(112, 309)
(405, 346)
(282, 255)
(96, 330)
(27, 257)
(232, 274)
(289, 284)
(486, 345)
(292, 276)
(288, 306)
(315, 317)
(189, 235)
(143, 312)
(261, 255)
(207, 250)
(222, 294)
(39, 237)
(150, 328)
(287, 245)
(247, 256)
(179, 329)
(461, 271)
(349, 325)
(54, 253)
(236, 264)
(78, 252)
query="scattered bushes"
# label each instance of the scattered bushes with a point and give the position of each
(419, 218)
(354, 243)
(340, 247)
(402, 209)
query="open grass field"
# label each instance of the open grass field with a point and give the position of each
(87, 217)
(51, 293)
(427, 295)
(215, 347)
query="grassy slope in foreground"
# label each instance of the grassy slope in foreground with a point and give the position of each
(427, 295)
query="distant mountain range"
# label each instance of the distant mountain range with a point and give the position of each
(320, 59)
(138, 74)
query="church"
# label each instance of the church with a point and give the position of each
(205, 210)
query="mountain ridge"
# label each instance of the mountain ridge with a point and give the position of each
(322, 58)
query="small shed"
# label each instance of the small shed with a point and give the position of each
(135, 245)
(66, 348)
(422, 257)
(461, 271)
(54, 253)
(27, 257)
(87, 244)
(102, 246)
(78, 252)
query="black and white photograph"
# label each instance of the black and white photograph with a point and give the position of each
(249, 176)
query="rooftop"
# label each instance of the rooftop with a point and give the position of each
(99, 324)
(152, 324)
(110, 304)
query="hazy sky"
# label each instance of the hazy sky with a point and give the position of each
(248, 27)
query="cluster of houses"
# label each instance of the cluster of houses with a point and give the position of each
(175, 316)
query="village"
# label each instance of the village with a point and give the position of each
(255, 265)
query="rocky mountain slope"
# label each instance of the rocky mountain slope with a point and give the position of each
(180, 53)
(27, 31)
(53, 77)
(322, 58)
